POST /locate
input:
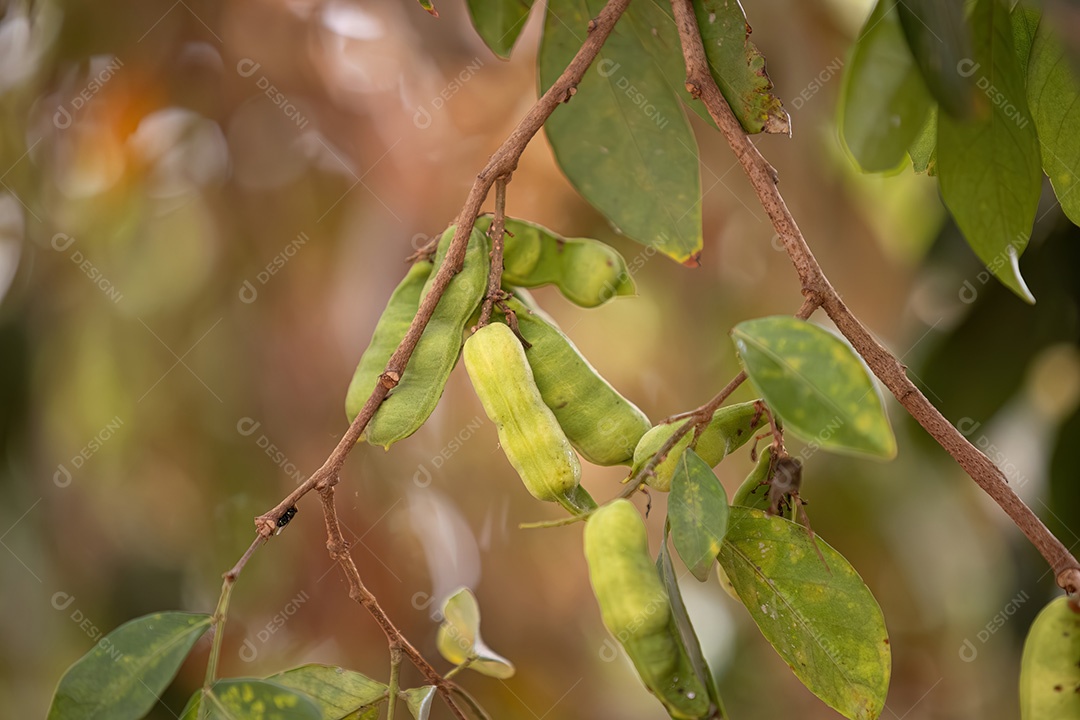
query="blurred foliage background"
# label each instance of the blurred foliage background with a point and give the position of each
(203, 208)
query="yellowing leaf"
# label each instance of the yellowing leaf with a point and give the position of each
(816, 383)
(459, 638)
(1050, 668)
(127, 670)
(698, 512)
(821, 620)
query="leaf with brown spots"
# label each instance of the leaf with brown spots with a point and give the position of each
(820, 618)
(1049, 672)
(816, 383)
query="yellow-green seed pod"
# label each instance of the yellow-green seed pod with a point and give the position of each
(754, 491)
(636, 609)
(522, 245)
(728, 430)
(601, 424)
(411, 403)
(529, 433)
(632, 598)
(586, 271)
(593, 272)
(392, 326)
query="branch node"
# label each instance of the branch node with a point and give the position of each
(389, 380)
(772, 173)
(591, 26)
(328, 482)
(693, 89)
(266, 525)
(1069, 581)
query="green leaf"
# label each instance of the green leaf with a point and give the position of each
(459, 638)
(419, 701)
(426, 4)
(1054, 96)
(816, 383)
(1049, 671)
(698, 512)
(686, 632)
(623, 141)
(1025, 23)
(883, 103)
(337, 692)
(989, 167)
(653, 23)
(129, 668)
(499, 22)
(923, 148)
(725, 38)
(739, 67)
(940, 44)
(821, 620)
(252, 699)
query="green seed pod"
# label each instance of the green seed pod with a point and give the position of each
(410, 404)
(528, 432)
(601, 424)
(522, 245)
(389, 331)
(728, 430)
(586, 271)
(636, 609)
(754, 492)
(593, 273)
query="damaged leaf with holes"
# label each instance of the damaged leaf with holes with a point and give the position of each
(739, 67)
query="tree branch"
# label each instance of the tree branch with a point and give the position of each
(891, 372)
(498, 168)
(502, 163)
(339, 552)
(498, 238)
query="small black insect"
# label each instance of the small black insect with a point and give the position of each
(285, 518)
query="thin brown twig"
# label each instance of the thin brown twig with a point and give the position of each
(339, 552)
(888, 369)
(236, 569)
(698, 418)
(503, 162)
(500, 165)
(497, 232)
